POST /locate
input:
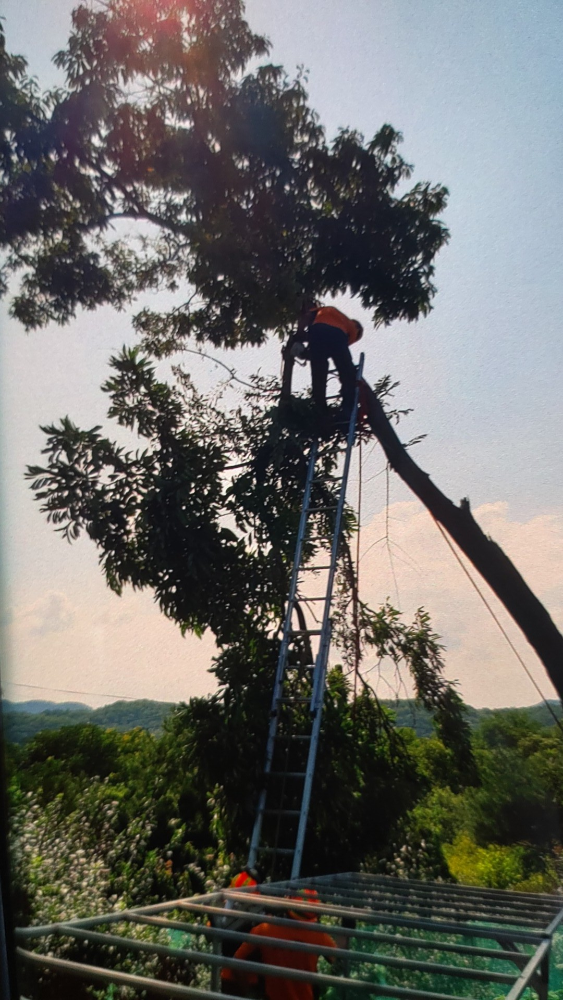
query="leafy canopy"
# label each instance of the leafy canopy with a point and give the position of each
(171, 161)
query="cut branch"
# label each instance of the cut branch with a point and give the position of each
(488, 558)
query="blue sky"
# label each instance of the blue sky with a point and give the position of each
(476, 90)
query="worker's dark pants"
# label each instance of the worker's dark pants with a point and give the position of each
(329, 342)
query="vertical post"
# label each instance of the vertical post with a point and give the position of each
(542, 987)
(351, 924)
(215, 969)
(8, 984)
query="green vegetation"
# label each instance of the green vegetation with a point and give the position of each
(25, 719)
(103, 818)
(408, 713)
(20, 725)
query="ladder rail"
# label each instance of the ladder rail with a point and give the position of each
(324, 647)
(321, 660)
(282, 657)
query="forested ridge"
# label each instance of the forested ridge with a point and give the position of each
(23, 720)
(20, 725)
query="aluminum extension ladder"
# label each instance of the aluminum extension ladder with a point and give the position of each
(295, 716)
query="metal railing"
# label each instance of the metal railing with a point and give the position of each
(375, 923)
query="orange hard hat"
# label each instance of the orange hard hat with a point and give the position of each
(305, 896)
(243, 878)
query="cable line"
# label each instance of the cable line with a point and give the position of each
(356, 584)
(498, 622)
(93, 694)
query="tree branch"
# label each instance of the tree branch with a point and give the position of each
(487, 557)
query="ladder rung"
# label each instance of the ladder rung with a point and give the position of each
(277, 850)
(282, 812)
(300, 666)
(286, 774)
(311, 599)
(290, 739)
(319, 510)
(312, 569)
(306, 631)
(293, 700)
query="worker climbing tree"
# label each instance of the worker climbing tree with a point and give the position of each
(329, 333)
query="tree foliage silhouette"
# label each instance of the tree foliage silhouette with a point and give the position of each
(169, 160)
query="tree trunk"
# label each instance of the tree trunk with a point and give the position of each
(487, 557)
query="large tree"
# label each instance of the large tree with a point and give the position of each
(205, 515)
(171, 161)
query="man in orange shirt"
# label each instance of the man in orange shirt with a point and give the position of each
(278, 988)
(329, 333)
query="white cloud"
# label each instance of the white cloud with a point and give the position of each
(51, 613)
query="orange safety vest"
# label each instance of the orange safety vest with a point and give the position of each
(278, 988)
(333, 317)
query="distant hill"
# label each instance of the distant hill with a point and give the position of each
(21, 723)
(22, 720)
(34, 707)
(409, 714)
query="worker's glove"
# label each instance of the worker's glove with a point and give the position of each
(298, 350)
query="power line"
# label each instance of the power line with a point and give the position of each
(93, 694)
(498, 622)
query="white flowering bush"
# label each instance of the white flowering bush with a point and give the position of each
(99, 845)
(85, 863)
(59, 870)
(413, 858)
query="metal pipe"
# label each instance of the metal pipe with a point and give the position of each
(363, 891)
(528, 971)
(115, 915)
(395, 939)
(546, 902)
(96, 973)
(275, 971)
(368, 916)
(217, 960)
(382, 908)
(386, 904)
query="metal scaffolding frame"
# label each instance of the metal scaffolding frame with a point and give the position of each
(395, 938)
